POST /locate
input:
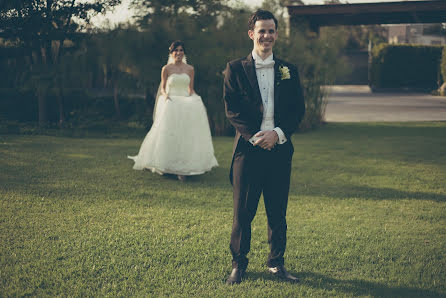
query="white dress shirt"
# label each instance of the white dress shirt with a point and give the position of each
(265, 78)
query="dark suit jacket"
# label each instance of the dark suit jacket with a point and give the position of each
(243, 102)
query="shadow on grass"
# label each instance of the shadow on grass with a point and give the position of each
(214, 188)
(380, 129)
(68, 175)
(354, 287)
(364, 192)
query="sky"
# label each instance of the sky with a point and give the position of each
(310, 2)
(122, 13)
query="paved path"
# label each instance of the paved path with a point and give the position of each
(358, 103)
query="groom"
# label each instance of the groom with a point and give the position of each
(264, 102)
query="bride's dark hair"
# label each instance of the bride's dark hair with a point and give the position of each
(175, 45)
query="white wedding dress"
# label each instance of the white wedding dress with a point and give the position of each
(179, 141)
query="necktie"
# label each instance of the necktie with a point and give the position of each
(262, 64)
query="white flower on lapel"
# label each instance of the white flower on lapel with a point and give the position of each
(284, 72)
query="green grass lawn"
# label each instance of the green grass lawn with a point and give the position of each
(366, 217)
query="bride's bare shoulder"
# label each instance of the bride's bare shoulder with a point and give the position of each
(167, 67)
(166, 70)
(190, 70)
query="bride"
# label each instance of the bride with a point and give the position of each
(179, 141)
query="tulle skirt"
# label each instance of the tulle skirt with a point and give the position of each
(179, 141)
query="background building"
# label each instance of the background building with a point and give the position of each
(425, 34)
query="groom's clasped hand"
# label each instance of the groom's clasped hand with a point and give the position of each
(266, 139)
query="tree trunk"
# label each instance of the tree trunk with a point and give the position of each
(116, 101)
(61, 108)
(41, 90)
(443, 89)
(43, 115)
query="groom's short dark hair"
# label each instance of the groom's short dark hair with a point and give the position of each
(261, 14)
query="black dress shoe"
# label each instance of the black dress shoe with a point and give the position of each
(281, 273)
(236, 276)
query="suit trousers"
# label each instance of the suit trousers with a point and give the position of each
(255, 170)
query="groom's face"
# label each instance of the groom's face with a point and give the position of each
(264, 35)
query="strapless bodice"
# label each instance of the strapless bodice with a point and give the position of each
(178, 84)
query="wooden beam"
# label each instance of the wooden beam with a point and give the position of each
(369, 13)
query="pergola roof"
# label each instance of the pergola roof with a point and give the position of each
(430, 11)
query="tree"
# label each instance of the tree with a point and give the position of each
(199, 24)
(41, 27)
(204, 12)
(112, 59)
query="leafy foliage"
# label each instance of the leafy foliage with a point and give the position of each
(443, 64)
(127, 60)
(405, 66)
(40, 28)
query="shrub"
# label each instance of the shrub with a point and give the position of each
(131, 59)
(405, 66)
(81, 109)
(443, 64)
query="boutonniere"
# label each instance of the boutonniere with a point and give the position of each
(284, 73)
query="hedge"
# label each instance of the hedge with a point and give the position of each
(443, 64)
(81, 108)
(414, 67)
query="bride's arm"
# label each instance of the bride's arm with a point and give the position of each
(163, 82)
(191, 83)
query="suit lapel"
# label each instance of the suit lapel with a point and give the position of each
(250, 70)
(276, 82)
